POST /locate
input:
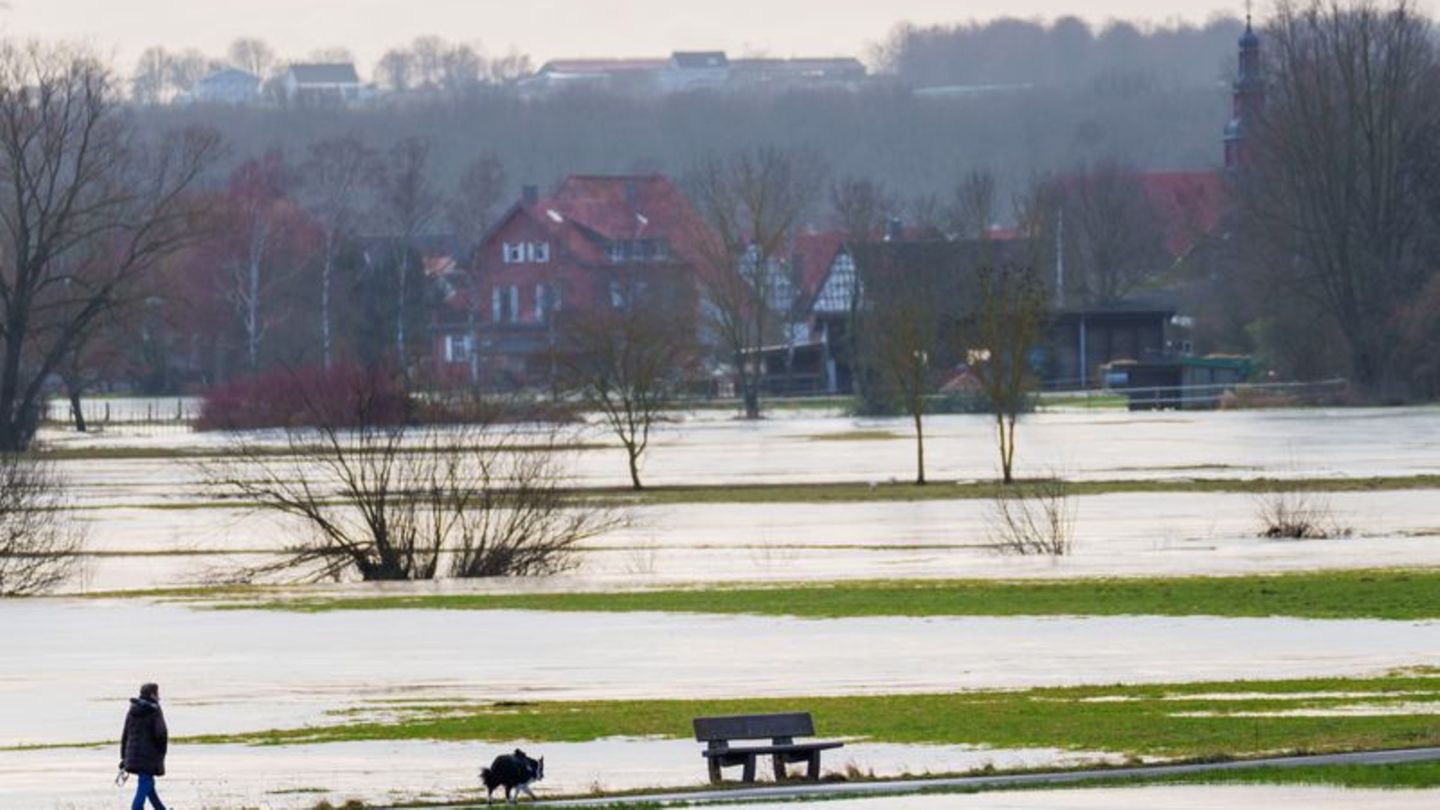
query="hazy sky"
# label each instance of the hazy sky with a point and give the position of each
(542, 28)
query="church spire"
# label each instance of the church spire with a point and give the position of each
(1249, 94)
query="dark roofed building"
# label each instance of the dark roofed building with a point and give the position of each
(323, 83)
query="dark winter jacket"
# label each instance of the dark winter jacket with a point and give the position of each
(145, 740)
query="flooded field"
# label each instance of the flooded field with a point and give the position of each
(1151, 798)
(73, 663)
(70, 663)
(300, 776)
(791, 446)
(1121, 534)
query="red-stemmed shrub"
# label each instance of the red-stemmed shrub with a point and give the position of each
(345, 395)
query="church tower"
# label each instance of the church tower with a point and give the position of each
(1249, 97)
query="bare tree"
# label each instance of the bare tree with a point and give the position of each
(469, 211)
(629, 362)
(252, 55)
(972, 206)
(477, 194)
(407, 205)
(1114, 236)
(153, 78)
(1331, 174)
(396, 70)
(862, 209)
(263, 232)
(907, 290)
(39, 544)
(752, 204)
(1005, 328)
(386, 499)
(927, 214)
(1033, 519)
(1289, 514)
(333, 177)
(79, 189)
(509, 69)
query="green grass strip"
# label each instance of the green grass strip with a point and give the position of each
(1138, 720)
(1404, 775)
(1375, 594)
(838, 492)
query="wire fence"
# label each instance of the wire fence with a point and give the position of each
(153, 414)
(1210, 395)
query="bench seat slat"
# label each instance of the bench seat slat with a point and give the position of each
(772, 749)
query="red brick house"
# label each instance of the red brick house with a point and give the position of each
(556, 255)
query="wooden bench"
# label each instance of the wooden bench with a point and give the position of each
(718, 733)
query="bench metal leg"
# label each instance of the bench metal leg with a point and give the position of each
(780, 773)
(714, 770)
(749, 775)
(813, 772)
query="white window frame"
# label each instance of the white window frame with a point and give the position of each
(457, 348)
(497, 308)
(514, 303)
(513, 252)
(539, 252)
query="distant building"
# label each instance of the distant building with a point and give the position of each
(686, 71)
(695, 70)
(227, 86)
(632, 75)
(323, 84)
(565, 252)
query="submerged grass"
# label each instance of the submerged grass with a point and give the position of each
(1154, 720)
(877, 492)
(855, 436)
(1405, 775)
(972, 490)
(1397, 594)
(67, 453)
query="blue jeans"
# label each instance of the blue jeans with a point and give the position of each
(145, 789)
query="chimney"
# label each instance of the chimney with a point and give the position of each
(530, 194)
(893, 229)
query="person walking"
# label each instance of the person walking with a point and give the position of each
(143, 745)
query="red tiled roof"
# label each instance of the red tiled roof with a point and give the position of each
(584, 212)
(1190, 202)
(814, 253)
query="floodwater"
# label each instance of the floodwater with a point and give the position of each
(1115, 535)
(300, 776)
(1226, 797)
(790, 446)
(1121, 534)
(69, 664)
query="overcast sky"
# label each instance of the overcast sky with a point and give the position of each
(542, 28)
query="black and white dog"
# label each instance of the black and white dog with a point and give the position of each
(514, 772)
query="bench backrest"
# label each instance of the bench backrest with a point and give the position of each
(754, 727)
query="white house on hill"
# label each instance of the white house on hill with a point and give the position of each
(334, 83)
